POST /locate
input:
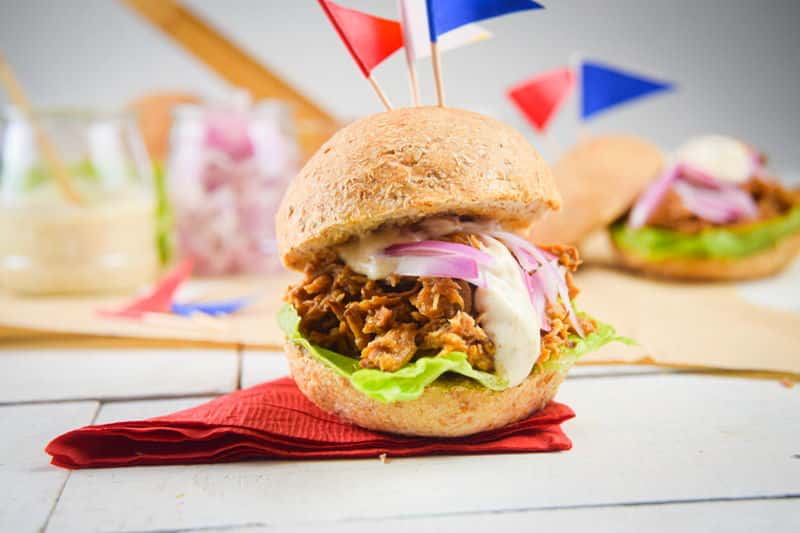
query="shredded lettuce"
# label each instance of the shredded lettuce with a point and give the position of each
(715, 243)
(409, 382)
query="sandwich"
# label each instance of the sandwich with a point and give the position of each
(713, 213)
(421, 310)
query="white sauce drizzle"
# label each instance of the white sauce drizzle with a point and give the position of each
(507, 315)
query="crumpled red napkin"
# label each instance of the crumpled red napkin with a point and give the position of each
(275, 421)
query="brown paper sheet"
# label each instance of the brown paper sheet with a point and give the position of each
(677, 324)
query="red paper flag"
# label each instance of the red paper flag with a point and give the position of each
(369, 39)
(159, 299)
(540, 97)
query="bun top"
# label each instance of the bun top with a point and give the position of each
(598, 179)
(408, 164)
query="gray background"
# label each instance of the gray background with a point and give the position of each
(736, 62)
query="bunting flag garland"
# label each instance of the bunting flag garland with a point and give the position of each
(604, 87)
(540, 97)
(369, 39)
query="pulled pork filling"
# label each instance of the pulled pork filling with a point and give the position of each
(388, 322)
(771, 198)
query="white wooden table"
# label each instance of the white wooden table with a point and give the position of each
(653, 451)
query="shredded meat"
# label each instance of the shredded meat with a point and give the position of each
(770, 196)
(388, 322)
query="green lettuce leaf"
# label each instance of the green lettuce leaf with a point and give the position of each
(409, 382)
(714, 243)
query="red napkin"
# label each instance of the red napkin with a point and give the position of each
(275, 421)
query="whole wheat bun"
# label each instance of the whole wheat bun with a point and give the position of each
(408, 164)
(598, 180)
(452, 408)
(758, 265)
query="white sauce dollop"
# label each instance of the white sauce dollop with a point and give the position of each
(507, 315)
(724, 158)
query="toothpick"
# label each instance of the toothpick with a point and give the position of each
(412, 78)
(437, 74)
(381, 95)
(48, 150)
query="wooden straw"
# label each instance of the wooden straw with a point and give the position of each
(437, 74)
(381, 95)
(233, 64)
(54, 164)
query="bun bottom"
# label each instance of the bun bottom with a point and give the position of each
(448, 408)
(758, 265)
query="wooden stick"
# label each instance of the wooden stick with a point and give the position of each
(233, 64)
(437, 74)
(52, 161)
(412, 78)
(381, 95)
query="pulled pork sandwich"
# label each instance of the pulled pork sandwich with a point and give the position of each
(420, 311)
(713, 214)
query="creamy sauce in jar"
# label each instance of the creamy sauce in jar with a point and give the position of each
(50, 247)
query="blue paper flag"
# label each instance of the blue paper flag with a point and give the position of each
(604, 87)
(446, 15)
(226, 307)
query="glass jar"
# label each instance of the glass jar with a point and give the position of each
(227, 171)
(104, 240)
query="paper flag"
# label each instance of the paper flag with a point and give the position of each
(603, 87)
(224, 307)
(159, 299)
(447, 15)
(540, 97)
(416, 39)
(369, 39)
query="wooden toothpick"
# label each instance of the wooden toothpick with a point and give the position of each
(48, 150)
(437, 74)
(381, 95)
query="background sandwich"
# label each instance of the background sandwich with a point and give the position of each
(714, 213)
(421, 312)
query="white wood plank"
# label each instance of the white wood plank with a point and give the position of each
(640, 439)
(616, 370)
(259, 366)
(773, 516)
(49, 374)
(28, 485)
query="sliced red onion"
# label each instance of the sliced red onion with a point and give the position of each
(445, 266)
(438, 248)
(539, 264)
(698, 176)
(537, 296)
(651, 197)
(722, 206)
